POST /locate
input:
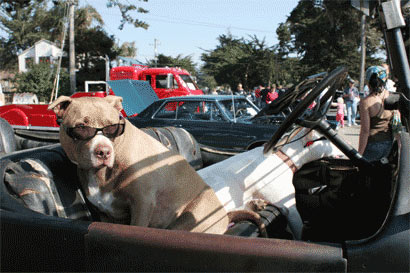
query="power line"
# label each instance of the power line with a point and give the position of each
(204, 24)
(182, 21)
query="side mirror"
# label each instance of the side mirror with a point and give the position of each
(170, 80)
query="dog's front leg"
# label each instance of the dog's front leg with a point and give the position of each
(142, 210)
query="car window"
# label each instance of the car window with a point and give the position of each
(148, 79)
(215, 112)
(239, 109)
(199, 110)
(168, 111)
(186, 79)
(188, 109)
(161, 82)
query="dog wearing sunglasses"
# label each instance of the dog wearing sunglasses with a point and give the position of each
(130, 177)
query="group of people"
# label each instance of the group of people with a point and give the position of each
(376, 135)
(265, 96)
(347, 103)
(260, 95)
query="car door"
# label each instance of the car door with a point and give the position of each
(205, 122)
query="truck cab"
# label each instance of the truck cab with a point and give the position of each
(166, 81)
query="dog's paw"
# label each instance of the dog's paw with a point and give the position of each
(247, 215)
(256, 205)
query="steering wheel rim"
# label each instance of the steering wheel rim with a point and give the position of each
(332, 81)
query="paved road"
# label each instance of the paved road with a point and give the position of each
(351, 135)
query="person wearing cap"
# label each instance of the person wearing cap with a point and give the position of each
(376, 137)
(351, 98)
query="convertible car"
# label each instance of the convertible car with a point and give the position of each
(355, 212)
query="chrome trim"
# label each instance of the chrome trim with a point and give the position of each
(36, 128)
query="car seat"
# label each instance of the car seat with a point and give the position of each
(7, 140)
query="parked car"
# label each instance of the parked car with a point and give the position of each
(367, 229)
(222, 124)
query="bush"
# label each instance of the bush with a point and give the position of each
(40, 81)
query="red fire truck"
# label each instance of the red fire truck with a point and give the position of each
(166, 81)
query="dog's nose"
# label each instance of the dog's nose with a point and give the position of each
(102, 152)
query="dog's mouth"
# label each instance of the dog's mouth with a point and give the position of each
(101, 163)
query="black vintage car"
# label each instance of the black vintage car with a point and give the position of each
(222, 124)
(357, 217)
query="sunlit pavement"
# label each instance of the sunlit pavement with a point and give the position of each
(351, 134)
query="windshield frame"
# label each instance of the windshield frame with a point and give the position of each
(224, 104)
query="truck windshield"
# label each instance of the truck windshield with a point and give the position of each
(188, 81)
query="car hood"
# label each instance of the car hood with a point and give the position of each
(137, 95)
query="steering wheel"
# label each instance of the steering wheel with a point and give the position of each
(322, 94)
(310, 118)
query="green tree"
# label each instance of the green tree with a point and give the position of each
(24, 22)
(238, 60)
(127, 50)
(205, 80)
(40, 81)
(326, 36)
(179, 61)
(27, 21)
(125, 8)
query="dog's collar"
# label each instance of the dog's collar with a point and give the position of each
(287, 160)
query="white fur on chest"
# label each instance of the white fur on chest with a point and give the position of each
(102, 200)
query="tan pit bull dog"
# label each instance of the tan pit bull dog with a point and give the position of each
(131, 177)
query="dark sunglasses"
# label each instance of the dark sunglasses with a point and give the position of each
(82, 132)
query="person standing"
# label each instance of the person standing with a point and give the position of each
(376, 137)
(351, 97)
(264, 94)
(257, 93)
(272, 94)
(340, 113)
(240, 90)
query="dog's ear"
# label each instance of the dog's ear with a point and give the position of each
(60, 105)
(115, 101)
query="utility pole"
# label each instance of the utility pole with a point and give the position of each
(363, 6)
(72, 46)
(156, 43)
(57, 78)
(363, 52)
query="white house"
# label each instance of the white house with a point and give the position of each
(42, 51)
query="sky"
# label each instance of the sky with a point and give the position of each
(190, 27)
